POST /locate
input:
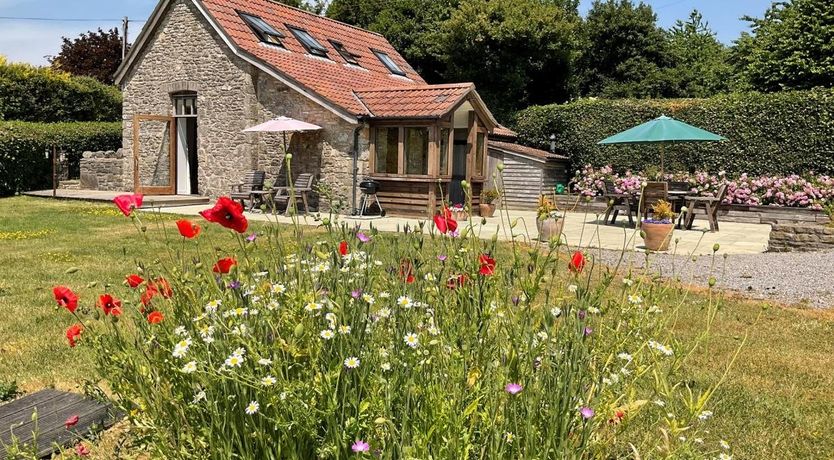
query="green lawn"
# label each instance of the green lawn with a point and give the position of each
(777, 403)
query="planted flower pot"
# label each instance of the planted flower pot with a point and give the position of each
(486, 209)
(460, 215)
(657, 235)
(549, 228)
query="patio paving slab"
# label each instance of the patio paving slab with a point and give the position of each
(580, 231)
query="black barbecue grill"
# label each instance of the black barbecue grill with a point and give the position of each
(369, 190)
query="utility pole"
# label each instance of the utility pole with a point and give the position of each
(125, 23)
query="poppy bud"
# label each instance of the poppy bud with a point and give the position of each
(144, 228)
(716, 247)
(500, 167)
(711, 281)
(299, 331)
(288, 157)
(642, 234)
(325, 221)
(483, 220)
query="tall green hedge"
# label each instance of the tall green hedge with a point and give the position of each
(23, 147)
(40, 94)
(776, 133)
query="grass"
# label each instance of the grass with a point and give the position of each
(777, 402)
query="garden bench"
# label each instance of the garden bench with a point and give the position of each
(618, 202)
(652, 193)
(253, 182)
(710, 205)
(47, 433)
(302, 186)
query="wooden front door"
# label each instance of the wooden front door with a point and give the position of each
(154, 155)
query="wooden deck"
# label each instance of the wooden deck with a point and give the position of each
(151, 201)
(20, 427)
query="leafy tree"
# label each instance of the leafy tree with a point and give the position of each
(360, 13)
(701, 62)
(313, 6)
(792, 47)
(517, 52)
(92, 54)
(624, 53)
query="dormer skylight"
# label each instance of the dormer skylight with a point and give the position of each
(349, 57)
(311, 44)
(264, 31)
(389, 63)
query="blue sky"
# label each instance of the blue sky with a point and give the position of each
(32, 41)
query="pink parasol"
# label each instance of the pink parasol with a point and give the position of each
(283, 125)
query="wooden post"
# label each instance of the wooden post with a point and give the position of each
(472, 144)
(54, 171)
(125, 23)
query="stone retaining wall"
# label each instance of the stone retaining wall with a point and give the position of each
(727, 213)
(791, 238)
(103, 171)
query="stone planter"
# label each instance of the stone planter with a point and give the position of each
(657, 236)
(549, 228)
(486, 210)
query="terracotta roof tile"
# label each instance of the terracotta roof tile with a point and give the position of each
(427, 101)
(331, 78)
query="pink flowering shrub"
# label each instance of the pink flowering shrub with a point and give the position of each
(809, 191)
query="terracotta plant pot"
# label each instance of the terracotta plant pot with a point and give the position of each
(486, 210)
(657, 236)
(549, 228)
(460, 216)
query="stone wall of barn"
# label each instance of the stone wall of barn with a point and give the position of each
(186, 54)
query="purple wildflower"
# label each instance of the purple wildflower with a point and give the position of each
(586, 412)
(588, 331)
(363, 237)
(582, 314)
(234, 284)
(251, 238)
(360, 446)
(513, 388)
(356, 293)
(441, 258)
(516, 300)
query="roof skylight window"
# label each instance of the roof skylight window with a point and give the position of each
(262, 29)
(313, 46)
(349, 57)
(392, 66)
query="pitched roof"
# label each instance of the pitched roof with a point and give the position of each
(349, 90)
(503, 131)
(523, 150)
(419, 101)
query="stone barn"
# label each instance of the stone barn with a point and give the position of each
(202, 71)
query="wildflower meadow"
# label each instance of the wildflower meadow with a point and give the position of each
(433, 342)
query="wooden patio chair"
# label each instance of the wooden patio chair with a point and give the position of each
(710, 205)
(302, 186)
(253, 181)
(652, 192)
(618, 202)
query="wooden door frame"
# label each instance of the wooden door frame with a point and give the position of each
(172, 156)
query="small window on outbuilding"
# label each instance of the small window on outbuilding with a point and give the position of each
(389, 63)
(185, 105)
(262, 29)
(310, 43)
(349, 57)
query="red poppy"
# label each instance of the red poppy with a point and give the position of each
(73, 332)
(224, 266)
(65, 298)
(162, 287)
(487, 265)
(227, 213)
(444, 222)
(127, 203)
(134, 280)
(148, 295)
(407, 271)
(456, 281)
(343, 248)
(71, 422)
(188, 229)
(577, 262)
(110, 305)
(156, 317)
(618, 417)
(81, 450)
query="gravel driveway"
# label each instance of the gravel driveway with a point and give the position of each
(788, 277)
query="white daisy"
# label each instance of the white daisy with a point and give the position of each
(704, 415)
(252, 408)
(279, 288)
(724, 445)
(411, 340)
(180, 331)
(628, 281)
(661, 348)
(384, 295)
(573, 288)
(212, 306)
(327, 334)
(352, 362)
(556, 312)
(625, 356)
(199, 396)
(312, 307)
(386, 367)
(190, 367)
(635, 299)
(368, 298)
(404, 301)
(344, 329)
(268, 381)
(384, 312)
(234, 361)
(264, 361)
(724, 456)
(655, 309)
(181, 348)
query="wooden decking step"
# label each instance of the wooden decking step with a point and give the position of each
(19, 427)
